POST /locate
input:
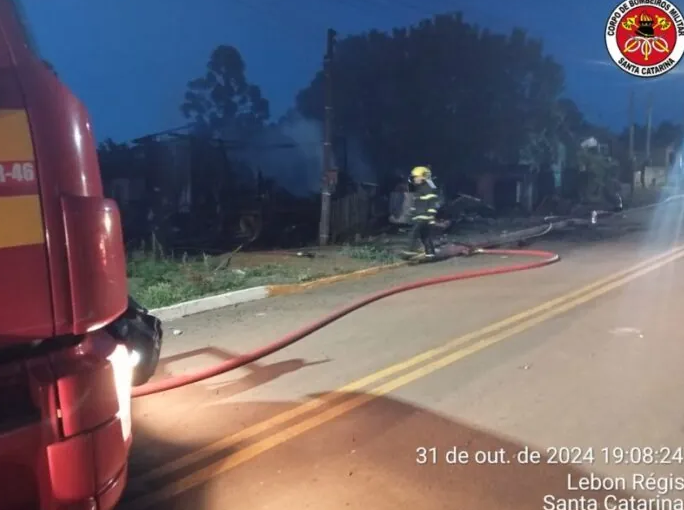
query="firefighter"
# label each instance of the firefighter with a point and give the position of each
(423, 212)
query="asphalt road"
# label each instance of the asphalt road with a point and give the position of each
(428, 400)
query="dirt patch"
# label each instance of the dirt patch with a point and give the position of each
(332, 261)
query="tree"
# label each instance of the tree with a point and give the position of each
(566, 125)
(601, 174)
(222, 107)
(443, 92)
(668, 134)
(223, 103)
(664, 135)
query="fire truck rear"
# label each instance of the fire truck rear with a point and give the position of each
(65, 369)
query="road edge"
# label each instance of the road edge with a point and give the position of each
(209, 303)
(295, 288)
(206, 304)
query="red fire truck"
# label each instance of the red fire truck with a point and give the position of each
(68, 329)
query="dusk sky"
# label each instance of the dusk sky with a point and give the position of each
(129, 60)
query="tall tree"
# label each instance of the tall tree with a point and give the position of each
(664, 135)
(224, 106)
(668, 133)
(443, 92)
(222, 102)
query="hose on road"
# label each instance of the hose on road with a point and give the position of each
(221, 368)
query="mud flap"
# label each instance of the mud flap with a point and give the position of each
(142, 333)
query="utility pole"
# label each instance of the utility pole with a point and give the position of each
(649, 122)
(631, 125)
(328, 163)
(632, 158)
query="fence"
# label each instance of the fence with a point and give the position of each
(352, 215)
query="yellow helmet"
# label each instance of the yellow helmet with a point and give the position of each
(421, 171)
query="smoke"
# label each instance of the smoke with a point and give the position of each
(359, 168)
(290, 153)
(307, 135)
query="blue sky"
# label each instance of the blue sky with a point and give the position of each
(129, 60)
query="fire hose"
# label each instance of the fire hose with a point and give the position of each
(546, 258)
(170, 383)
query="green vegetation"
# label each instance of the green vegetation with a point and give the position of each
(368, 253)
(161, 281)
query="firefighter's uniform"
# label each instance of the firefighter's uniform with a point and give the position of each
(423, 212)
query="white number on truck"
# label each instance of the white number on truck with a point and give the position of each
(17, 172)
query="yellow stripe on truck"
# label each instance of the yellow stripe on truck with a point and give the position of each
(15, 136)
(21, 223)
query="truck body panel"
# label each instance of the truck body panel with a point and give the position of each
(63, 440)
(68, 262)
(25, 313)
(65, 381)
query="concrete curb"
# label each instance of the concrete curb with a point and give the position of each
(296, 288)
(209, 303)
(206, 304)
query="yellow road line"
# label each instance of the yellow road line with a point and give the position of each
(247, 453)
(294, 288)
(286, 416)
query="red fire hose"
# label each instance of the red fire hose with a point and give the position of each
(183, 380)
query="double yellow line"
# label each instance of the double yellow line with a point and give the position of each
(339, 402)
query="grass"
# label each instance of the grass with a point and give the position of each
(375, 255)
(161, 281)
